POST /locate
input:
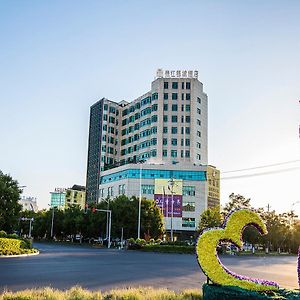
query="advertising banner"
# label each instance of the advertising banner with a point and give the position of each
(163, 186)
(164, 202)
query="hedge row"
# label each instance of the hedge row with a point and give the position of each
(169, 249)
(14, 246)
(122, 294)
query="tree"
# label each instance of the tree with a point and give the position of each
(9, 206)
(210, 218)
(236, 202)
(152, 225)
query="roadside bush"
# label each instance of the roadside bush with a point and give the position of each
(12, 236)
(15, 246)
(141, 242)
(2, 234)
(169, 249)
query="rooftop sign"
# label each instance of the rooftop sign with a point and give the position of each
(160, 73)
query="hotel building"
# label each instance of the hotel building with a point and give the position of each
(155, 145)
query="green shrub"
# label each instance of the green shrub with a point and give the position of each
(169, 249)
(12, 236)
(2, 234)
(141, 241)
(15, 246)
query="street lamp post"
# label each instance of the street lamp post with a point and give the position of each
(109, 224)
(171, 183)
(52, 222)
(140, 201)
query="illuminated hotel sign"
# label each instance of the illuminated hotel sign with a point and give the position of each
(160, 73)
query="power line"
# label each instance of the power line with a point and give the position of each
(264, 166)
(261, 174)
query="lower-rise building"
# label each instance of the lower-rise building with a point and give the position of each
(179, 189)
(28, 203)
(75, 196)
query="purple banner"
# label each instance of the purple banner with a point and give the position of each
(165, 204)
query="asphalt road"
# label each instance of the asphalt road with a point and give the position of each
(65, 266)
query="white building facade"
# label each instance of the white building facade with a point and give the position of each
(166, 129)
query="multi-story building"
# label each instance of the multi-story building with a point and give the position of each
(75, 196)
(58, 198)
(167, 127)
(28, 203)
(213, 179)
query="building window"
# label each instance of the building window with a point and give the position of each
(198, 100)
(174, 130)
(175, 85)
(188, 119)
(187, 153)
(188, 107)
(181, 153)
(187, 142)
(182, 96)
(105, 107)
(165, 107)
(188, 191)
(104, 127)
(199, 111)
(173, 153)
(165, 141)
(154, 141)
(166, 96)
(174, 96)
(188, 85)
(198, 156)
(198, 122)
(154, 96)
(174, 119)
(174, 142)
(198, 133)
(105, 117)
(182, 85)
(187, 130)
(153, 153)
(166, 85)
(165, 153)
(165, 130)
(174, 107)
(198, 145)
(154, 119)
(188, 206)
(188, 96)
(121, 189)
(165, 118)
(188, 222)
(147, 189)
(154, 107)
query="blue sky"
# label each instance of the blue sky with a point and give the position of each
(59, 57)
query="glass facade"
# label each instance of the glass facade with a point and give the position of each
(58, 199)
(188, 222)
(152, 174)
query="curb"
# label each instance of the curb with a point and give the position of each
(19, 255)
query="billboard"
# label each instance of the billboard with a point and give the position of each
(166, 190)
